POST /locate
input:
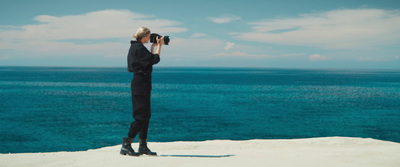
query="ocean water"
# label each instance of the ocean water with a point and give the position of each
(46, 109)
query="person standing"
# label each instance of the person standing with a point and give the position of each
(140, 62)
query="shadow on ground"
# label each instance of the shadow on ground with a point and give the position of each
(199, 156)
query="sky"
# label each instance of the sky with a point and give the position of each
(346, 34)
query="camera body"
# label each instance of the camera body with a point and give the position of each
(153, 38)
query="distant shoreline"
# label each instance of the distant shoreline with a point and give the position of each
(209, 67)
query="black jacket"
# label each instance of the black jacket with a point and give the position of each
(140, 62)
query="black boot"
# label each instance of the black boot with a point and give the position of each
(127, 148)
(143, 149)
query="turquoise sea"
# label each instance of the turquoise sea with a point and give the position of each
(46, 109)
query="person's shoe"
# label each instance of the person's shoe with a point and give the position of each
(127, 148)
(143, 149)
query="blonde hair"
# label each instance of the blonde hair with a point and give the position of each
(141, 32)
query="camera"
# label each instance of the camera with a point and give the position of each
(153, 38)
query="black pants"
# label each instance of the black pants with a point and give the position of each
(141, 114)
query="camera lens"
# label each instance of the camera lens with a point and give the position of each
(166, 40)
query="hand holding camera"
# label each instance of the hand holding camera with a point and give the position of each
(160, 41)
(154, 38)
